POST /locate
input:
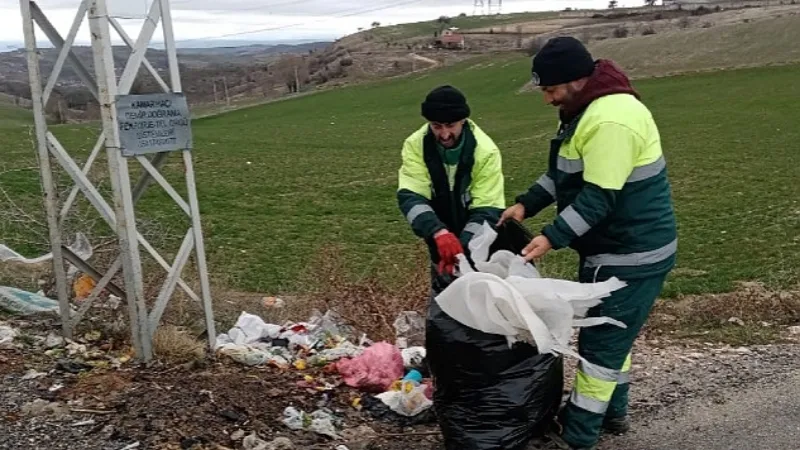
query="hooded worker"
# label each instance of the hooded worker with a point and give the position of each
(450, 181)
(608, 178)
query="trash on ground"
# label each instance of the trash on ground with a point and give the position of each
(7, 336)
(408, 399)
(272, 302)
(24, 302)
(81, 247)
(414, 358)
(318, 342)
(32, 374)
(374, 370)
(83, 286)
(320, 421)
(409, 329)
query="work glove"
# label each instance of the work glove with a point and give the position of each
(448, 246)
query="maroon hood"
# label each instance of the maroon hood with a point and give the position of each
(607, 78)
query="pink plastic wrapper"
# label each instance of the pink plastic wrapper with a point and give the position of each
(374, 370)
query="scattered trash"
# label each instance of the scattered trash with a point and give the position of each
(7, 336)
(253, 442)
(318, 342)
(53, 340)
(40, 407)
(414, 357)
(409, 400)
(83, 286)
(84, 423)
(374, 370)
(81, 247)
(410, 329)
(320, 421)
(24, 302)
(272, 302)
(380, 411)
(32, 374)
(237, 435)
(736, 321)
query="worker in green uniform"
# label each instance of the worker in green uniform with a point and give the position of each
(450, 181)
(608, 177)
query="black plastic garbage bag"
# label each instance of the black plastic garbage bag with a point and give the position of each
(489, 396)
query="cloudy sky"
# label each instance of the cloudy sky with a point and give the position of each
(272, 19)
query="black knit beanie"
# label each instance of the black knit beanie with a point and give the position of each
(445, 104)
(561, 60)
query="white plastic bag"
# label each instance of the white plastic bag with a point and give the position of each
(406, 403)
(507, 296)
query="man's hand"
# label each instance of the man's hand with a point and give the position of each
(448, 247)
(537, 248)
(516, 212)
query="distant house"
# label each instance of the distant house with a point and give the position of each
(450, 39)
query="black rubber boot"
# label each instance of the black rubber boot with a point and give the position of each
(617, 425)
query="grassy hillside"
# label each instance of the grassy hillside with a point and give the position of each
(427, 28)
(758, 43)
(280, 183)
(11, 115)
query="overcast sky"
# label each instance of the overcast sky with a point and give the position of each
(279, 19)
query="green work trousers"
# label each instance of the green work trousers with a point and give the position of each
(601, 383)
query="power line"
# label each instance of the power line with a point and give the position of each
(283, 27)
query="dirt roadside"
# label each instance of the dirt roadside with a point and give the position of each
(213, 404)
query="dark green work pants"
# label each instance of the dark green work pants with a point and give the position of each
(601, 383)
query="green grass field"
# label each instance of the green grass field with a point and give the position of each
(280, 182)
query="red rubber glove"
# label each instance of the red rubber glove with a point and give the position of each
(448, 246)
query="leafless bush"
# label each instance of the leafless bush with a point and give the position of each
(621, 32)
(684, 23)
(648, 31)
(176, 346)
(707, 25)
(368, 304)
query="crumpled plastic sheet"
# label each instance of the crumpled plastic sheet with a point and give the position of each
(81, 247)
(409, 329)
(507, 296)
(413, 357)
(7, 336)
(24, 302)
(320, 421)
(374, 370)
(407, 402)
(250, 341)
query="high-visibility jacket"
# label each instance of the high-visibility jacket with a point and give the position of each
(608, 177)
(424, 192)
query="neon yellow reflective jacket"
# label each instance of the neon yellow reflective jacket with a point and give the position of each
(424, 194)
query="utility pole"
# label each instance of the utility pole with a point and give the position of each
(296, 80)
(214, 83)
(225, 85)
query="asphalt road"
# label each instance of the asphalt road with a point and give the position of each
(765, 416)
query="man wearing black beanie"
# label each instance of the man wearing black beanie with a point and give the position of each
(607, 175)
(451, 180)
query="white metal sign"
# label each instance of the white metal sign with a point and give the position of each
(153, 123)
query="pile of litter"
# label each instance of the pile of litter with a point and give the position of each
(391, 373)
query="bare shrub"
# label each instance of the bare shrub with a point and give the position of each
(621, 32)
(648, 31)
(175, 345)
(369, 304)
